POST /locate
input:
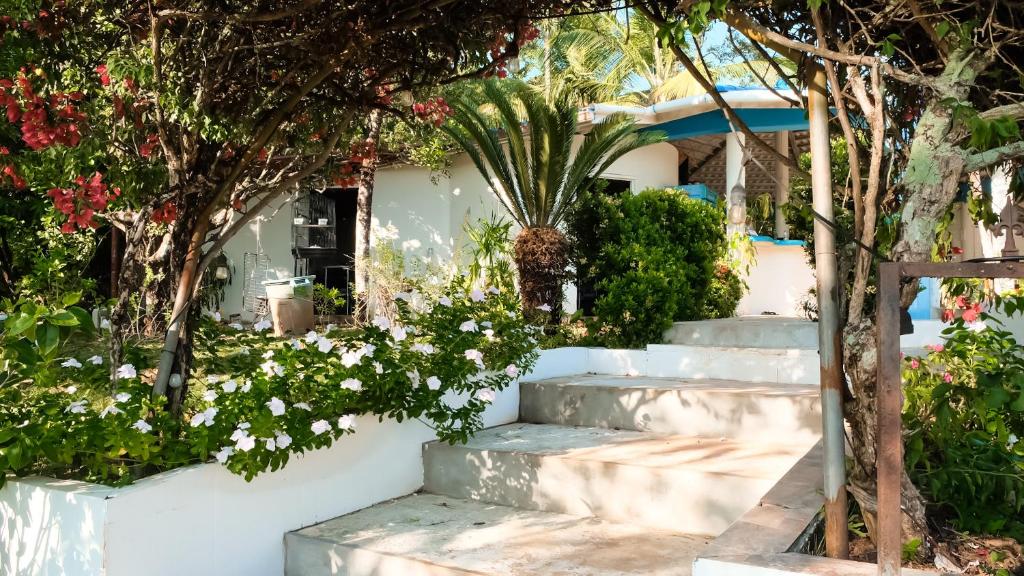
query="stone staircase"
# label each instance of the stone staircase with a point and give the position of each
(603, 475)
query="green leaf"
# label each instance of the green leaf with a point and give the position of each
(19, 324)
(47, 338)
(62, 318)
(84, 319)
(941, 29)
(71, 298)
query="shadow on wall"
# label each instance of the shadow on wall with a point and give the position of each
(53, 532)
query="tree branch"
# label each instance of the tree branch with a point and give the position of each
(994, 156)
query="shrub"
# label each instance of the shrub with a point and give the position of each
(256, 400)
(724, 293)
(964, 413)
(653, 256)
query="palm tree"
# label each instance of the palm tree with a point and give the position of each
(524, 148)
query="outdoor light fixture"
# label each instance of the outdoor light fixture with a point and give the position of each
(221, 273)
(738, 205)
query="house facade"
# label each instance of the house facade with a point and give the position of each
(424, 214)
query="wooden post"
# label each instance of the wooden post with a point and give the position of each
(781, 184)
(890, 403)
(829, 348)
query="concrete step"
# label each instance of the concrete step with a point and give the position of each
(779, 365)
(429, 535)
(680, 483)
(746, 332)
(706, 408)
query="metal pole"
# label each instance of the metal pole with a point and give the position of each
(836, 537)
(889, 447)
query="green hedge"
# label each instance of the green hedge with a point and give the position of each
(654, 259)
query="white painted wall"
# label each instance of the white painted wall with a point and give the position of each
(778, 281)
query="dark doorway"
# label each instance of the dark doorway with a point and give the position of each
(326, 251)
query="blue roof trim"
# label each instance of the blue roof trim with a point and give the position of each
(715, 122)
(778, 241)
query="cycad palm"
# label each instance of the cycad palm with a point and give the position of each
(535, 172)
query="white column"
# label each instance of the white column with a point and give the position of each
(781, 184)
(735, 183)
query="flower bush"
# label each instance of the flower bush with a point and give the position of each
(964, 415)
(258, 399)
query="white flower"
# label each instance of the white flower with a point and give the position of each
(406, 296)
(276, 406)
(1012, 440)
(476, 356)
(283, 440)
(977, 326)
(544, 308)
(445, 301)
(511, 314)
(302, 406)
(485, 395)
(268, 354)
(216, 316)
(210, 395)
(434, 383)
(381, 322)
(122, 397)
(244, 425)
(297, 344)
(247, 385)
(493, 290)
(324, 345)
(378, 367)
(71, 389)
(229, 386)
(112, 409)
(398, 333)
(350, 358)
(245, 443)
(487, 324)
(512, 370)
(328, 328)
(468, 326)
(320, 426)
(271, 444)
(352, 384)
(262, 325)
(77, 407)
(489, 333)
(71, 363)
(126, 371)
(3, 316)
(105, 324)
(312, 336)
(422, 348)
(368, 350)
(224, 454)
(271, 368)
(95, 360)
(204, 417)
(142, 426)
(213, 379)
(477, 296)
(347, 422)
(238, 434)
(235, 326)
(414, 377)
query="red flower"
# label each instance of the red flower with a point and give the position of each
(104, 75)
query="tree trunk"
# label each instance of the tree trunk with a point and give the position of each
(364, 213)
(930, 183)
(541, 256)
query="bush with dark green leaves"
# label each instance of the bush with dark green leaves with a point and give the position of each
(653, 259)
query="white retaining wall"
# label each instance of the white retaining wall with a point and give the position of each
(203, 520)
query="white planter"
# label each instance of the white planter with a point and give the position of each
(203, 520)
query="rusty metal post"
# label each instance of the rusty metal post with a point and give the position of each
(889, 447)
(829, 348)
